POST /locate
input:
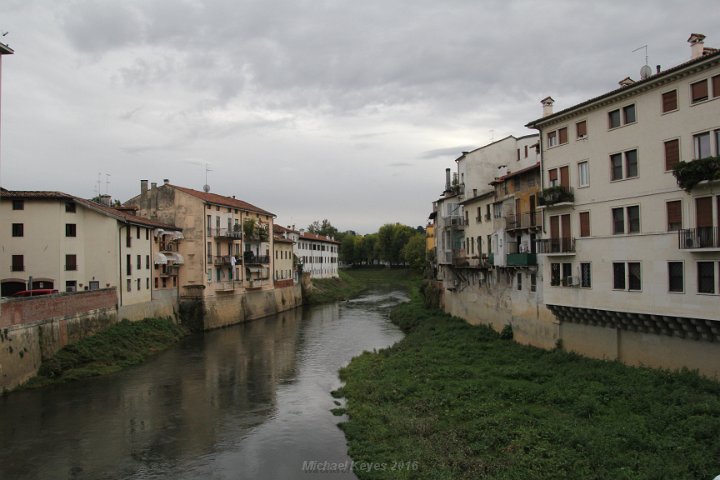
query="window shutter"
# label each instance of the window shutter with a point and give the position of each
(584, 224)
(669, 101)
(555, 227)
(716, 85)
(565, 225)
(564, 176)
(581, 129)
(553, 175)
(699, 91)
(674, 215)
(672, 154)
(562, 134)
(703, 208)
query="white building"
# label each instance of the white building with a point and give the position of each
(632, 262)
(318, 255)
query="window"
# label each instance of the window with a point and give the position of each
(18, 204)
(716, 85)
(552, 139)
(147, 262)
(701, 143)
(519, 281)
(526, 147)
(633, 278)
(674, 215)
(706, 277)
(562, 174)
(138, 284)
(18, 229)
(533, 282)
(71, 286)
(562, 135)
(147, 234)
(128, 238)
(675, 277)
(129, 285)
(147, 284)
(583, 174)
(629, 114)
(70, 262)
(632, 214)
(94, 285)
(70, 230)
(139, 262)
(156, 282)
(555, 274)
(699, 91)
(624, 165)
(518, 154)
(584, 224)
(669, 101)
(209, 225)
(614, 119)
(566, 274)
(557, 137)
(70, 207)
(618, 218)
(128, 265)
(18, 263)
(581, 129)
(585, 275)
(672, 153)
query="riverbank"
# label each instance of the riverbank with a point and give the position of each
(120, 346)
(457, 401)
(354, 281)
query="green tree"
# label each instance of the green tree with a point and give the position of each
(413, 253)
(323, 228)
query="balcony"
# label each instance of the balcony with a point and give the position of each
(556, 196)
(521, 259)
(702, 239)
(226, 233)
(523, 221)
(251, 259)
(224, 260)
(225, 286)
(556, 246)
(455, 221)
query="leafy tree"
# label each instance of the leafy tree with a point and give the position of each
(323, 228)
(413, 253)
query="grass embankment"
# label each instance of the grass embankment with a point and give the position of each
(465, 404)
(120, 346)
(353, 282)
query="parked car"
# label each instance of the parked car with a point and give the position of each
(34, 293)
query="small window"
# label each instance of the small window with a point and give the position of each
(618, 217)
(614, 119)
(147, 262)
(519, 281)
(675, 277)
(633, 280)
(634, 276)
(18, 229)
(533, 282)
(18, 263)
(669, 101)
(129, 285)
(624, 165)
(619, 276)
(552, 139)
(70, 230)
(147, 284)
(128, 265)
(139, 262)
(701, 143)
(585, 275)
(138, 284)
(18, 204)
(562, 135)
(633, 214)
(70, 207)
(555, 274)
(583, 174)
(581, 129)
(71, 286)
(672, 154)
(631, 165)
(699, 91)
(616, 167)
(584, 224)
(70, 262)
(629, 114)
(716, 85)
(137, 232)
(674, 215)
(706, 277)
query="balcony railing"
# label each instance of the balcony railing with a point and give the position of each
(517, 221)
(251, 258)
(455, 221)
(223, 260)
(555, 245)
(702, 237)
(557, 194)
(521, 259)
(459, 259)
(225, 233)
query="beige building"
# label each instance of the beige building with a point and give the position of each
(284, 264)
(227, 242)
(631, 260)
(52, 240)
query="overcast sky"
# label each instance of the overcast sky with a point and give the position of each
(312, 109)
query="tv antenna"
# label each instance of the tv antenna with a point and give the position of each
(645, 71)
(206, 187)
(107, 184)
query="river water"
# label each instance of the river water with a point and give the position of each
(246, 402)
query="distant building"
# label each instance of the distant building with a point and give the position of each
(318, 255)
(54, 240)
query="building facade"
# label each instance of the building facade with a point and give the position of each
(318, 255)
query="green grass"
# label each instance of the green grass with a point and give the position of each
(353, 282)
(120, 346)
(465, 404)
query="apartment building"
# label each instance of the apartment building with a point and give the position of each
(227, 241)
(632, 263)
(53, 240)
(318, 255)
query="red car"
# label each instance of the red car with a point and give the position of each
(35, 293)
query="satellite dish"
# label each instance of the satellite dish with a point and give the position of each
(206, 188)
(645, 72)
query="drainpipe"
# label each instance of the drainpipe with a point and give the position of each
(121, 263)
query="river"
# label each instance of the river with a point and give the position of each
(250, 401)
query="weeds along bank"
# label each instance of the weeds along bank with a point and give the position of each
(458, 401)
(353, 282)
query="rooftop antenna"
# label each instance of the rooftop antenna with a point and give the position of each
(645, 71)
(99, 181)
(107, 184)
(206, 187)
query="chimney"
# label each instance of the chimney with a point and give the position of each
(143, 187)
(153, 185)
(166, 181)
(626, 82)
(474, 192)
(447, 179)
(547, 104)
(105, 200)
(658, 68)
(696, 45)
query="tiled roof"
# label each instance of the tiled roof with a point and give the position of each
(516, 173)
(223, 200)
(122, 216)
(280, 229)
(637, 86)
(277, 239)
(316, 237)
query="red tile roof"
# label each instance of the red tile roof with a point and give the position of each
(536, 166)
(280, 229)
(318, 238)
(277, 239)
(223, 200)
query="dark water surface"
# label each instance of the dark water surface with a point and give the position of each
(246, 402)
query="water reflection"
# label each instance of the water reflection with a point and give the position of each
(250, 401)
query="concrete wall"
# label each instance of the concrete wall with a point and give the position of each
(224, 310)
(642, 349)
(33, 329)
(163, 304)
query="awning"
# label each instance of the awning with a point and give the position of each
(175, 257)
(160, 259)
